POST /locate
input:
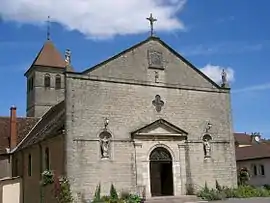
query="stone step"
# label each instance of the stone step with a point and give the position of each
(170, 199)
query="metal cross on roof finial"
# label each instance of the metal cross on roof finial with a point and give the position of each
(48, 28)
(151, 20)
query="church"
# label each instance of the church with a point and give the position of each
(145, 120)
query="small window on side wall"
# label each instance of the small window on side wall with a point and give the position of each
(58, 82)
(29, 165)
(47, 80)
(262, 170)
(254, 168)
(47, 158)
(16, 167)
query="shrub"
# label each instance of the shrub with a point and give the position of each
(134, 199)
(243, 191)
(266, 186)
(113, 193)
(63, 195)
(124, 195)
(218, 187)
(210, 194)
(243, 176)
(47, 177)
(229, 192)
(97, 193)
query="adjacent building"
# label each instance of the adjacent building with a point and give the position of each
(253, 153)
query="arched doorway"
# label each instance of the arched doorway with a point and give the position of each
(161, 174)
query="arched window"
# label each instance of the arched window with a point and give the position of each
(47, 158)
(58, 82)
(47, 80)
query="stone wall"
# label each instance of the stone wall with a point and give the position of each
(128, 105)
(40, 99)
(32, 189)
(5, 166)
(259, 179)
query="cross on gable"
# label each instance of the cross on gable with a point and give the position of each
(151, 20)
(158, 103)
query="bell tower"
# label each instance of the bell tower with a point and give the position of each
(45, 80)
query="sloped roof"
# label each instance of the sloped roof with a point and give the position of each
(242, 138)
(51, 124)
(255, 151)
(24, 125)
(163, 44)
(49, 56)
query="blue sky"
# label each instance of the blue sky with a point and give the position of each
(229, 34)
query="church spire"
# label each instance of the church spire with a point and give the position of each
(48, 28)
(151, 19)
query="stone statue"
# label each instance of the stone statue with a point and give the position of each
(207, 148)
(105, 145)
(224, 77)
(68, 57)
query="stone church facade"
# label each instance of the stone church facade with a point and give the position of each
(162, 115)
(145, 120)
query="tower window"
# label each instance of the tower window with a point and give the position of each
(28, 85)
(58, 82)
(31, 83)
(47, 80)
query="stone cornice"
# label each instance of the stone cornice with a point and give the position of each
(145, 83)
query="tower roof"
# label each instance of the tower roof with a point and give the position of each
(49, 56)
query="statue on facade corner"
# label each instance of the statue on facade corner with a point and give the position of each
(224, 78)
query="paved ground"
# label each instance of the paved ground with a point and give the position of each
(250, 200)
(192, 199)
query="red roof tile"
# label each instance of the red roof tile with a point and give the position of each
(242, 138)
(255, 151)
(24, 125)
(49, 56)
(51, 124)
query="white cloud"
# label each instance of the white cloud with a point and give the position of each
(96, 18)
(214, 72)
